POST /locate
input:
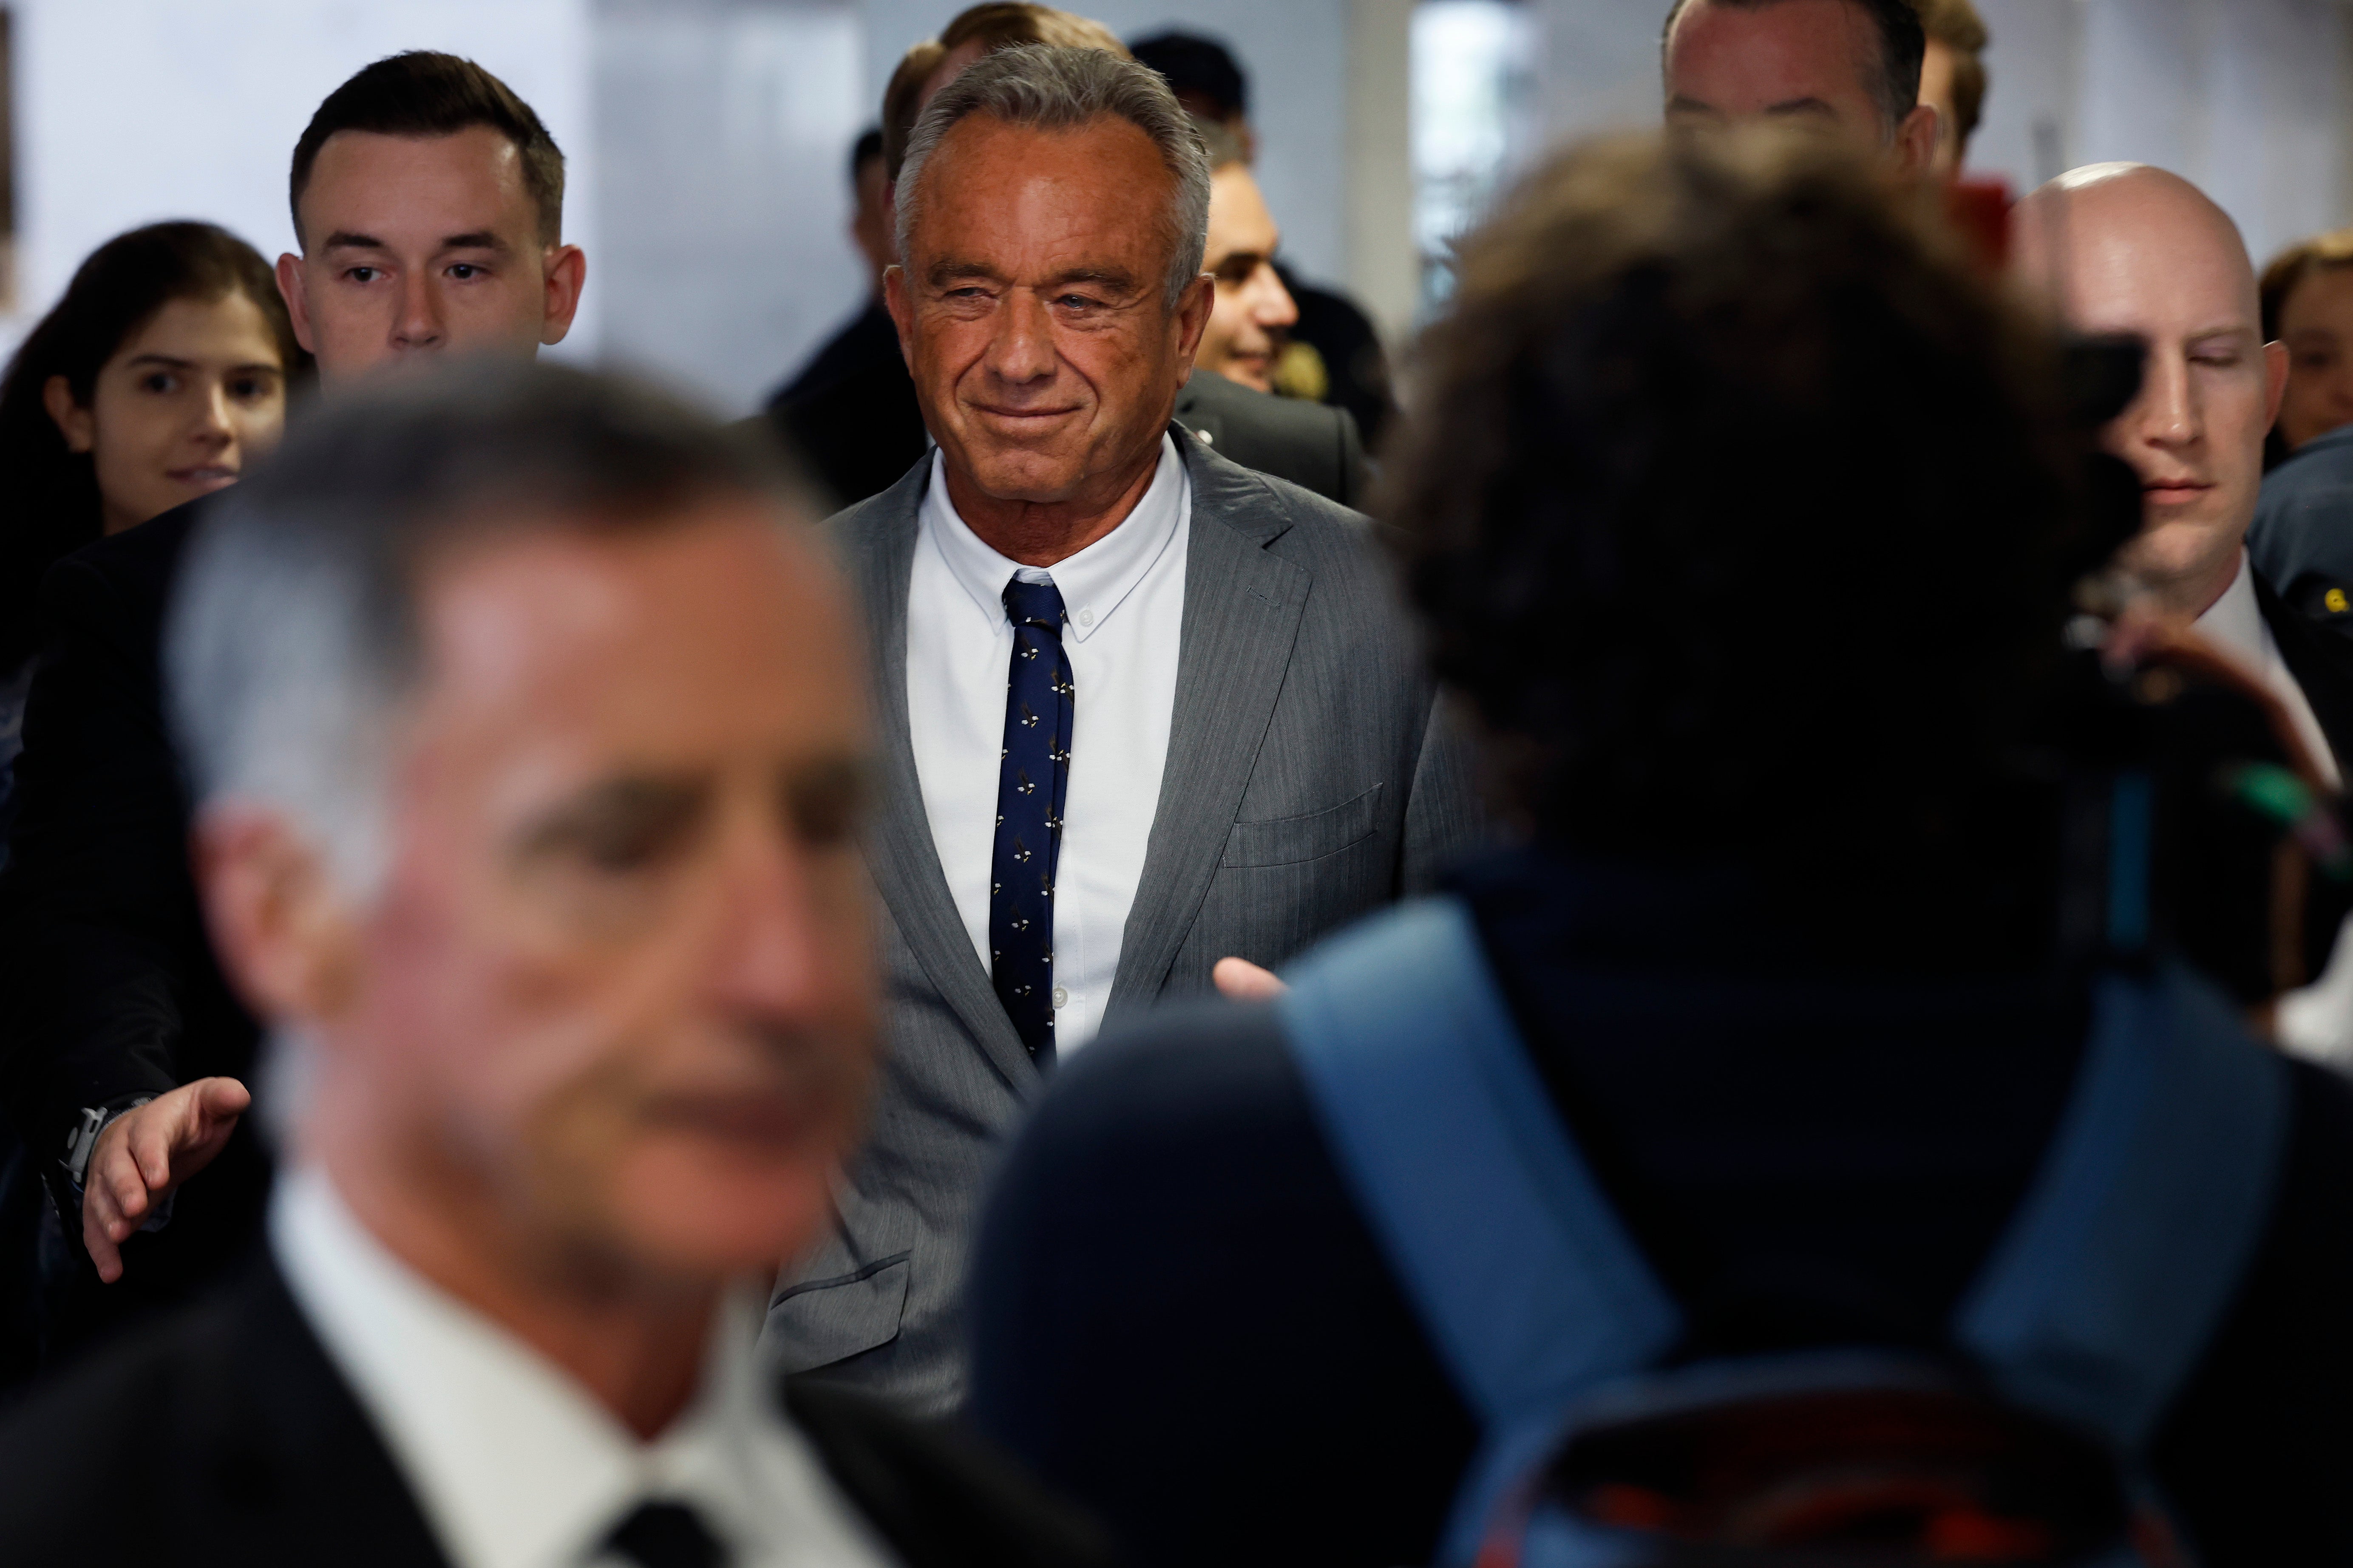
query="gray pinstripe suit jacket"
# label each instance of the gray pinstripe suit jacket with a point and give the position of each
(1307, 784)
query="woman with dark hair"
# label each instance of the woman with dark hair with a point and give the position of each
(160, 375)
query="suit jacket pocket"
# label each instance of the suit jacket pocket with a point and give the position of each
(1287, 840)
(820, 1322)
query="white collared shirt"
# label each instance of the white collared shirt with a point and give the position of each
(1124, 597)
(512, 1463)
(2236, 621)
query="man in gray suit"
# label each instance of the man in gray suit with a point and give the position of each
(1141, 708)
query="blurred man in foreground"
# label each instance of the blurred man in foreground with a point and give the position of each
(2126, 249)
(1144, 709)
(530, 748)
(1848, 68)
(1227, 401)
(428, 200)
(1757, 1045)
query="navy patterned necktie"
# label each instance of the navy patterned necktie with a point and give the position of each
(1032, 780)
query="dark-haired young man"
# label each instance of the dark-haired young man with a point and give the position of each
(428, 199)
(1849, 66)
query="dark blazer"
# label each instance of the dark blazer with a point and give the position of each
(1314, 446)
(2322, 663)
(2301, 539)
(850, 413)
(1181, 1320)
(226, 1437)
(1308, 782)
(105, 960)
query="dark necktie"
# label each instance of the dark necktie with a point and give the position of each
(667, 1535)
(1032, 779)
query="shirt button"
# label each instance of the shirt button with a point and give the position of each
(1086, 618)
(1061, 997)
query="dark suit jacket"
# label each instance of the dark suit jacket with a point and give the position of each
(2301, 539)
(1314, 446)
(2322, 662)
(850, 413)
(1309, 780)
(226, 1437)
(1181, 1320)
(106, 963)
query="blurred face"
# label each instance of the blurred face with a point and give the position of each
(1252, 309)
(616, 983)
(415, 247)
(2146, 253)
(1804, 63)
(1032, 308)
(870, 222)
(1936, 93)
(2317, 326)
(195, 393)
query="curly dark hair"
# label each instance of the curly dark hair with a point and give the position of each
(1738, 506)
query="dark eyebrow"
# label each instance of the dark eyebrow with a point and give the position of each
(648, 807)
(1680, 104)
(1106, 276)
(1801, 106)
(344, 240)
(951, 270)
(474, 239)
(168, 362)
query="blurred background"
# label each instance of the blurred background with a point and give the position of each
(708, 138)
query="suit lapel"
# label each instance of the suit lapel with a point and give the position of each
(878, 543)
(1242, 607)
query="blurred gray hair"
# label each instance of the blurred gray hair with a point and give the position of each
(294, 638)
(1048, 89)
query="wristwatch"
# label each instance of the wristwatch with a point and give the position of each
(82, 1141)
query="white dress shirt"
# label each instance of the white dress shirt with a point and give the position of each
(1124, 597)
(2236, 622)
(511, 1461)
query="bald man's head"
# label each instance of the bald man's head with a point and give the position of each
(2123, 248)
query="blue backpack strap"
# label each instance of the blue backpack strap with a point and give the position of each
(2114, 1273)
(1520, 1271)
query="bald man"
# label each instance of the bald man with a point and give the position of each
(1848, 68)
(2123, 248)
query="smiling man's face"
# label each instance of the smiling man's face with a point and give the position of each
(2140, 251)
(1032, 309)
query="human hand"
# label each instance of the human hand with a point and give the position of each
(1239, 980)
(145, 1153)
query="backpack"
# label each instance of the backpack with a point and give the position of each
(2026, 1445)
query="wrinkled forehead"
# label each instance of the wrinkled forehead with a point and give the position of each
(2137, 254)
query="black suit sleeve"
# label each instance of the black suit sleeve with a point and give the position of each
(95, 960)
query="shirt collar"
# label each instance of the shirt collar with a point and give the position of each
(516, 1466)
(1095, 580)
(2236, 620)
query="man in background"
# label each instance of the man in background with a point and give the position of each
(1334, 354)
(1953, 78)
(428, 200)
(1229, 400)
(1849, 68)
(851, 413)
(1143, 710)
(530, 748)
(2126, 249)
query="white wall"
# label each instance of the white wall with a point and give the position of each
(133, 110)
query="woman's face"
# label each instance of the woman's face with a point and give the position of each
(2316, 325)
(192, 397)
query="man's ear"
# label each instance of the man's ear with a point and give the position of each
(2275, 382)
(566, 273)
(293, 287)
(78, 425)
(278, 920)
(1193, 308)
(1915, 141)
(901, 309)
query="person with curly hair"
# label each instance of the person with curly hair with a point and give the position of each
(1743, 514)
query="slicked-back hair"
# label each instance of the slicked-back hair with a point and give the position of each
(1042, 88)
(1893, 77)
(2291, 267)
(293, 633)
(1703, 420)
(993, 25)
(421, 93)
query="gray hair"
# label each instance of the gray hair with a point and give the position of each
(1048, 89)
(292, 638)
